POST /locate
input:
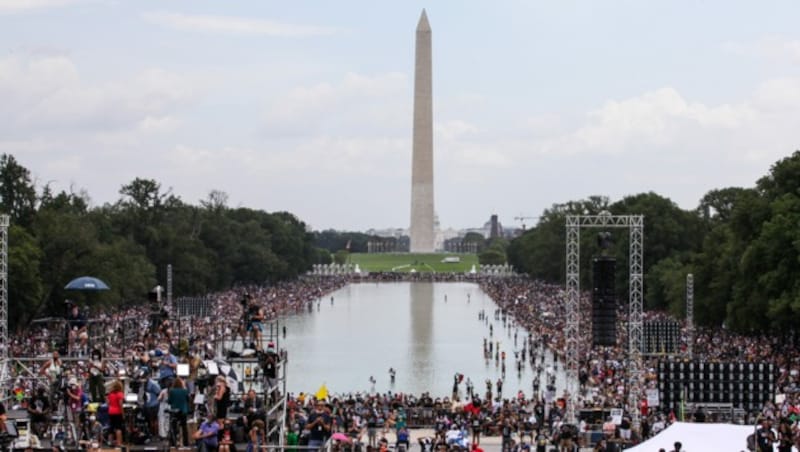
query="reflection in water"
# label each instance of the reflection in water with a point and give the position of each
(420, 350)
(426, 331)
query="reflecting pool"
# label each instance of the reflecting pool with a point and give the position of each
(427, 332)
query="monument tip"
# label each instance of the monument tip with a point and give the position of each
(423, 24)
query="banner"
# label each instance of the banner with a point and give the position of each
(652, 397)
(616, 416)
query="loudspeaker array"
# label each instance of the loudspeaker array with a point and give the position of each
(661, 337)
(745, 385)
(604, 302)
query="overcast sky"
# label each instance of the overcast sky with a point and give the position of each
(306, 106)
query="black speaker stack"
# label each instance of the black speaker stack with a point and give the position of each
(661, 337)
(604, 302)
(744, 385)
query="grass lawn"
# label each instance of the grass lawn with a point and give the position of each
(421, 262)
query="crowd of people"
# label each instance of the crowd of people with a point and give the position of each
(71, 373)
(538, 308)
(81, 366)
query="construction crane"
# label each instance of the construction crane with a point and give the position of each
(521, 218)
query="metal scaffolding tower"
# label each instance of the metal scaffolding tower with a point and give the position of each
(171, 308)
(690, 314)
(4, 221)
(635, 225)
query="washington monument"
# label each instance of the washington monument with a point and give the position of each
(422, 233)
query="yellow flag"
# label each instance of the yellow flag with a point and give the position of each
(322, 392)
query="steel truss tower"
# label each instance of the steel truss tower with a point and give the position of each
(635, 225)
(171, 308)
(3, 300)
(690, 314)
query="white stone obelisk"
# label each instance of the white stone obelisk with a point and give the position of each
(422, 228)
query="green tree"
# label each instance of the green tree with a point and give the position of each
(323, 256)
(666, 285)
(668, 229)
(492, 256)
(17, 193)
(716, 206)
(146, 195)
(747, 270)
(341, 256)
(716, 265)
(123, 265)
(65, 239)
(25, 287)
(475, 238)
(541, 252)
(766, 292)
(669, 232)
(333, 241)
(495, 253)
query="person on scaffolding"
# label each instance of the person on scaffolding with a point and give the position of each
(255, 319)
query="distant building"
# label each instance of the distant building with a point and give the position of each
(389, 232)
(494, 227)
(447, 240)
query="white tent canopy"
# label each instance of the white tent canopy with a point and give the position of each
(699, 438)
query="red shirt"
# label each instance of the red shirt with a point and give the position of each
(115, 402)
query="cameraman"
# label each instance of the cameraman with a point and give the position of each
(254, 315)
(269, 364)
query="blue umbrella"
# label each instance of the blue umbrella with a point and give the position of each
(86, 283)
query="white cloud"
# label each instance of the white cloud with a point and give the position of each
(22, 6)
(454, 129)
(542, 124)
(779, 94)
(660, 140)
(323, 157)
(47, 94)
(772, 47)
(323, 120)
(338, 152)
(463, 145)
(232, 25)
(653, 120)
(156, 124)
(367, 105)
(479, 157)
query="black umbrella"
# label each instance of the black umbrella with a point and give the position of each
(86, 283)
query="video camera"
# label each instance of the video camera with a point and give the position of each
(9, 435)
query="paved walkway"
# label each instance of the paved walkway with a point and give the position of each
(488, 443)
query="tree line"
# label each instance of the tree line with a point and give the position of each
(741, 244)
(55, 237)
